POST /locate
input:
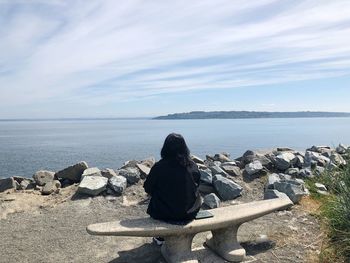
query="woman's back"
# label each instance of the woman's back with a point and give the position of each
(174, 190)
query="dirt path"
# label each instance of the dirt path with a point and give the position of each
(52, 229)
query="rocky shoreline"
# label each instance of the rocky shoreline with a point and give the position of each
(285, 170)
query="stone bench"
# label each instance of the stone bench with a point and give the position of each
(178, 238)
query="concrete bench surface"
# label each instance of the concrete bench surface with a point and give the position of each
(178, 238)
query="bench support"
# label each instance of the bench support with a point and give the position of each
(224, 243)
(177, 249)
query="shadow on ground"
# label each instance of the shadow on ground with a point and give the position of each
(147, 253)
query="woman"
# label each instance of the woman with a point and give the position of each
(173, 183)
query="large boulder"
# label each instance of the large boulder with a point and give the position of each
(248, 157)
(226, 188)
(272, 178)
(215, 169)
(306, 173)
(232, 170)
(144, 170)
(292, 171)
(24, 183)
(72, 173)
(341, 149)
(132, 175)
(8, 184)
(271, 194)
(108, 173)
(206, 176)
(254, 167)
(149, 162)
(221, 158)
(130, 164)
(91, 171)
(292, 188)
(117, 183)
(319, 149)
(285, 160)
(92, 185)
(42, 177)
(196, 159)
(337, 159)
(211, 201)
(51, 187)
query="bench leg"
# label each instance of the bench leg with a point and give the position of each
(177, 249)
(224, 243)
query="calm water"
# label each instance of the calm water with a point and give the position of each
(28, 146)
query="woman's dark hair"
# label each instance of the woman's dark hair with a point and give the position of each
(175, 148)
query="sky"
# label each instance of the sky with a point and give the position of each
(71, 59)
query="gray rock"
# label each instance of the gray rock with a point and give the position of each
(132, 175)
(322, 192)
(27, 185)
(130, 164)
(321, 187)
(272, 178)
(217, 170)
(211, 201)
(337, 159)
(149, 162)
(266, 162)
(232, 170)
(226, 188)
(254, 167)
(206, 176)
(73, 173)
(293, 189)
(93, 171)
(8, 184)
(314, 158)
(196, 159)
(92, 185)
(144, 170)
(319, 149)
(117, 183)
(248, 157)
(108, 173)
(292, 171)
(201, 166)
(306, 173)
(319, 170)
(285, 160)
(271, 194)
(43, 177)
(51, 187)
(341, 149)
(284, 149)
(300, 161)
(221, 158)
(206, 188)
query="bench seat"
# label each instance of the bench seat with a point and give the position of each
(178, 238)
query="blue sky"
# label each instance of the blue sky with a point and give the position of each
(147, 58)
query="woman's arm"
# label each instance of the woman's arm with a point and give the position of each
(150, 181)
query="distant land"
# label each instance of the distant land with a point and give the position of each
(250, 115)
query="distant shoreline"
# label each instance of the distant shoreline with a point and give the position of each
(250, 115)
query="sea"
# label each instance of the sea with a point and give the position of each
(27, 146)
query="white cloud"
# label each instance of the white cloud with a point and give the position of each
(113, 50)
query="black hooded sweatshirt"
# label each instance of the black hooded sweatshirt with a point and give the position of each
(174, 191)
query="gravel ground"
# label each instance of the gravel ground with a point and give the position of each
(35, 228)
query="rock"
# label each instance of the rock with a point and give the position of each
(321, 187)
(130, 164)
(217, 170)
(292, 171)
(51, 187)
(149, 162)
(209, 158)
(27, 185)
(132, 175)
(341, 149)
(272, 178)
(226, 188)
(206, 176)
(248, 157)
(201, 166)
(211, 201)
(337, 159)
(293, 189)
(271, 194)
(93, 171)
(319, 149)
(8, 184)
(305, 173)
(42, 177)
(92, 185)
(253, 168)
(322, 192)
(221, 158)
(108, 173)
(196, 159)
(73, 173)
(265, 161)
(117, 183)
(284, 149)
(232, 170)
(284, 160)
(300, 161)
(144, 170)
(319, 170)
(206, 188)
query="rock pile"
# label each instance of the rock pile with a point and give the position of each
(286, 170)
